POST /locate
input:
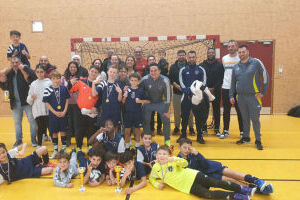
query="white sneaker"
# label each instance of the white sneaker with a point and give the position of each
(241, 134)
(53, 156)
(45, 138)
(224, 135)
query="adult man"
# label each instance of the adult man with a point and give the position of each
(16, 79)
(83, 72)
(177, 92)
(214, 73)
(151, 60)
(44, 62)
(246, 82)
(228, 62)
(106, 61)
(140, 62)
(158, 90)
(187, 76)
(111, 59)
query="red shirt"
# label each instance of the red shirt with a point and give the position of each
(140, 66)
(85, 96)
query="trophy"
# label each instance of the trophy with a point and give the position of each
(6, 95)
(118, 169)
(81, 172)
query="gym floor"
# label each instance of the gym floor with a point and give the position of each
(278, 163)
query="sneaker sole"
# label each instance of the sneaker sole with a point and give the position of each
(253, 191)
(244, 143)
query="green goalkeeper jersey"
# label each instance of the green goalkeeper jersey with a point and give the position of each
(174, 174)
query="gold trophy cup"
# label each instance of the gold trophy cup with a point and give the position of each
(118, 169)
(81, 172)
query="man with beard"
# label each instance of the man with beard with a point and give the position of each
(44, 62)
(187, 76)
(215, 73)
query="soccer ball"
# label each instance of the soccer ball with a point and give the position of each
(95, 175)
(1, 179)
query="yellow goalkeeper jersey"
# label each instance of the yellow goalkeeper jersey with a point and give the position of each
(174, 174)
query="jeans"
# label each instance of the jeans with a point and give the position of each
(17, 112)
(161, 109)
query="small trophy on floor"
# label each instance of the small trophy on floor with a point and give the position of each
(81, 172)
(118, 169)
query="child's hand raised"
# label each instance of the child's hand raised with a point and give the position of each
(24, 52)
(73, 81)
(118, 89)
(89, 166)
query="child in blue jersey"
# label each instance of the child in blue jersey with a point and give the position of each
(146, 153)
(94, 173)
(111, 95)
(18, 49)
(108, 137)
(111, 160)
(133, 170)
(133, 99)
(66, 169)
(216, 170)
(13, 169)
(56, 99)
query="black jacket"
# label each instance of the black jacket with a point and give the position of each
(174, 76)
(214, 74)
(23, 85)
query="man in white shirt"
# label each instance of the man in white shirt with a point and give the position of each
(229, 61)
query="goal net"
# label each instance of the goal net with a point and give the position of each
(92, 48)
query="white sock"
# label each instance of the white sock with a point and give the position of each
(127, 145)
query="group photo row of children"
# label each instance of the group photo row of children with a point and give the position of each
(112, 100)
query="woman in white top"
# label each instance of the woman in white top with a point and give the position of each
(35, 97)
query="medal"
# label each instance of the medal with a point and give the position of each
(163, 174)
(57, 96)
(108, 92)
(89, 89)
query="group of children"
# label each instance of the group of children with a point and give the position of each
(189, 172)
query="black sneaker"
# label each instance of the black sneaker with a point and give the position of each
(200, 139)
(259, 145)
(192, 132)
(176, 131)
(243, 141)
(180, 137)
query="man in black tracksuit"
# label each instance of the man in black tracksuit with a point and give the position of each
(177, 92)
(215, 74)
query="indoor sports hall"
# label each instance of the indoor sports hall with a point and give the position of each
(60, 30)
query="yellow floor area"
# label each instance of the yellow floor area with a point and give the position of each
(278, 163)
